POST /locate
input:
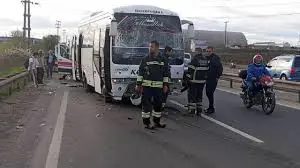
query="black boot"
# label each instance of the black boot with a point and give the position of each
(157, 123)
(210, 110)
(147, 123)
(150, 127)
(199, 111)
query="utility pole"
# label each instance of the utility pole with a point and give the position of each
(27, 15)
(57, 26)
(226, 22)
(64, 36)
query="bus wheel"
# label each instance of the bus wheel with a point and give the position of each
(107, 97)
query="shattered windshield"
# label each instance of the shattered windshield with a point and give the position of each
(135, 31)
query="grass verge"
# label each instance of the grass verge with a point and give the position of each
(11, 71)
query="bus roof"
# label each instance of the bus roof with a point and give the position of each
(144, 9)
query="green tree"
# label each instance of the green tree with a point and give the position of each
(17, 38)
(49, 42)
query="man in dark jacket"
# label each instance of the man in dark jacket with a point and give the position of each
(214, 73)
(167, 56)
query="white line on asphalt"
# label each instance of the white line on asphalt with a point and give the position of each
(54, 149)
(277, 102)
(223, 125)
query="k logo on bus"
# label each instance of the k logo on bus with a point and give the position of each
(134, 72)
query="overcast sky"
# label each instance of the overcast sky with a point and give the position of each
(260, 20)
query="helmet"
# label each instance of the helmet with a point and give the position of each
(257, 59)
(136, 98)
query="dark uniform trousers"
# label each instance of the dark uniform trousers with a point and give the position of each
(152, 97)
(211, 85)
(195, 95)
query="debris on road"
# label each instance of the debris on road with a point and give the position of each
(99, 115)
(21, 126)
(74, 85)
(130, 118)
(43, 124)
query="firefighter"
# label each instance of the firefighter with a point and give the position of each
(152, 81)
(197, 75)
(167, 56)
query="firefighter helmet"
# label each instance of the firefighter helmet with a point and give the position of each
(136, 98)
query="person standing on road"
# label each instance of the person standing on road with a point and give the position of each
(40, 67)
(32, 68)
(50, 59)
(152, 82)
(196, 76)
(167, 56)
(214, 73)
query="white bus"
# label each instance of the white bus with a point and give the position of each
(110, 47)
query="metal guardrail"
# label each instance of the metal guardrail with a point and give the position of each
(9, 82)
(286, 86)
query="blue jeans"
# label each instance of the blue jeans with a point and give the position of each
(251, 87)
(49, 70)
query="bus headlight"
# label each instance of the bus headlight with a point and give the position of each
(123, 80)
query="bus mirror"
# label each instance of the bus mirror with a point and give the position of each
(191, 32)
(113, 28)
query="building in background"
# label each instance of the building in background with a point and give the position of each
(217, 39)
(270, 45)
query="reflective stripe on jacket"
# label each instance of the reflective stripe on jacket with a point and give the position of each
(198, 69)
(153, 72)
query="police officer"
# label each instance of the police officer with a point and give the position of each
(167, 56)
(152, 81)
(197, 75)
(215, 71)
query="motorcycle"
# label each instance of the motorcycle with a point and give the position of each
(264, 96)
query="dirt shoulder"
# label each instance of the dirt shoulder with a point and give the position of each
(21, 117)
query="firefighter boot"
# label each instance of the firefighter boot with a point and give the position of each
(157, 123)
(199, 109)
(147, 123)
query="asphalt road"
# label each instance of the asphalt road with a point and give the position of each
(82, 131)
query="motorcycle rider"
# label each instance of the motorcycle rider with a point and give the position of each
(255, 70)
(197, 75)
(152, 82)
(167, 56)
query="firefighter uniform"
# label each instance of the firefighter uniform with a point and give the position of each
(153, 76)
(197, 75)
(165, 95)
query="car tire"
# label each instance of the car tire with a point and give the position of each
(283, 77)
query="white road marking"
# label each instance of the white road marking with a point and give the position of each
(223, 125)
(54, 149)
(277, 102)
